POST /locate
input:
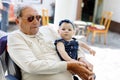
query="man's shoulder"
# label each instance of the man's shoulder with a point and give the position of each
(14, 34)
(48, 32)
(2, 33)
(48, 28)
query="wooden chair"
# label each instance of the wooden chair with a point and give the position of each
(98, 29)
(45, 17)
(80, 27)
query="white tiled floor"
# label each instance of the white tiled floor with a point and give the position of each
(107, 59)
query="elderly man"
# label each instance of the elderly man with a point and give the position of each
(32, 49)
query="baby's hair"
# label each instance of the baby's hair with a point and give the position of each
(66, 21)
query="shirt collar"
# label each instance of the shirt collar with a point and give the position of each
(38, 34)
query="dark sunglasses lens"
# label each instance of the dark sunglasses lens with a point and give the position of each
(38, 17)
(30, 19)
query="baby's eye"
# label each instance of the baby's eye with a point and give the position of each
(69, 29)
(63, 29)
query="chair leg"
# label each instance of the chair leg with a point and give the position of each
(93, 37)
(78, 31)
(99, 37)
(87, 34)
(83, 33)
(105, 35)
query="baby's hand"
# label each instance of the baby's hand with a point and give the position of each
(80, 62)
(87, 64)
(92, 52)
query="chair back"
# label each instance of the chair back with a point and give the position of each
(106, 19)
(45, 17)
(7, 62)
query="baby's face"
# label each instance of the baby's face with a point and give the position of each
(66, 31)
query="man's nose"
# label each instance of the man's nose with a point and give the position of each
(35, 20)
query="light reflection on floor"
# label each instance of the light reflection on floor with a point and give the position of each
(107, 59)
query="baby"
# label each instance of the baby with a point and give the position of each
(67, 47)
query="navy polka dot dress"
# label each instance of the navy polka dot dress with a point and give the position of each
(71, 47)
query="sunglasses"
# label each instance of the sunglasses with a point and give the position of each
(31, 18)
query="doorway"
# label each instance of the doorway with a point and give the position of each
(88, 10)
(98, 11)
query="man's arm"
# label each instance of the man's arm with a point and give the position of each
(24, 57)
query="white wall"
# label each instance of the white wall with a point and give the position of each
(47, 4)
(65, 9)
(114, 6)
(36, 3)
(98, 10)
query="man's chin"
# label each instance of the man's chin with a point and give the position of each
(35, 31)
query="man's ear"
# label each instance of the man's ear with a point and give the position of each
(17, 21)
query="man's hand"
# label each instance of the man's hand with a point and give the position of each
(79, 62)
(88, 64)
(81, 71)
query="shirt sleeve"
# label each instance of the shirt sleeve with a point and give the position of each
(23, 56)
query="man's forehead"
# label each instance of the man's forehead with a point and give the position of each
(29, 10)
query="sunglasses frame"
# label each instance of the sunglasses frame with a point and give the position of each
(31, 18)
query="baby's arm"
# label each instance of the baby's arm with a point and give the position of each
(82, 44)
(61, 49)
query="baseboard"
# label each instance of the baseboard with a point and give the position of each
(115, 27)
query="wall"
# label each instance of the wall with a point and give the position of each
(65, 9)
(36, 3)
(114, 6)
(98, 10)
(47, 4)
